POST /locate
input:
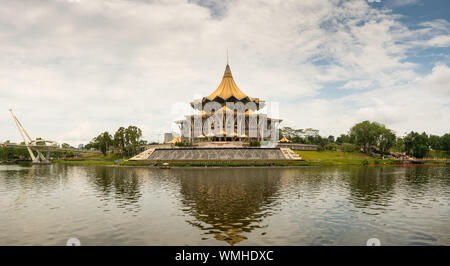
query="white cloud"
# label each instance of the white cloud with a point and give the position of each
(358, 84)
(116, 63)
(80, 133)
(439, 41)
(438, 81)
(398, 3)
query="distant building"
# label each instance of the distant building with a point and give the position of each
(80, 146)
(168, 137)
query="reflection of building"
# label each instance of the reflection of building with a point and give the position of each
(226, 204)
(227, 101)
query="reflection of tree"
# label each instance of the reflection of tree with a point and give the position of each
(419, 175)
(42, 178)
(371, 185)
(422, 180)
(123, 182)
(227, 203)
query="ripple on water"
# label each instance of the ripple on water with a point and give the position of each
(307, 206)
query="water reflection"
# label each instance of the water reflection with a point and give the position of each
(371, 186)
(123, 184)
(227, 204)
(102, 205)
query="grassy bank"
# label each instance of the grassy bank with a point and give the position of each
(311, 158)
(73, 162)
(339, 158)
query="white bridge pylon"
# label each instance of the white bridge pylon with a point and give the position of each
(33, 144)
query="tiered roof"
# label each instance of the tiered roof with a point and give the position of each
(228, 91)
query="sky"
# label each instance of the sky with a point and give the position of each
(71, 69)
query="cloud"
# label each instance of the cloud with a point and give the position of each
(66, 65)
(399, 3)
(439, 41)
(358, 84)
(81, 132)
(438, 81)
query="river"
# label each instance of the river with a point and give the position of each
(109, 205)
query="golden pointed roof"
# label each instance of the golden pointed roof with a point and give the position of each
(227, 88)
(175, 140)
(284, 140)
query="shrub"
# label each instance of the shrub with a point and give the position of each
(349, 147)
(182, 144)
(255, 143)
(331, 147)
(365, 162)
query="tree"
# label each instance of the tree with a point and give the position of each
(132, 137)
(343, 138)
(366, 134)
(399, 144)
(65, 146)
(295, 135)
(416, 144)
(386, 139)
(127, 140)
(445, 143)
(331, 146)
(331, 139)
(435, 142)
(103, 142)
(348, 147)
(119, 140)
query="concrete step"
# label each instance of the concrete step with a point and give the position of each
(143, 155)
(290, 154)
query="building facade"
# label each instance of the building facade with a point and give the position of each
(228, 114)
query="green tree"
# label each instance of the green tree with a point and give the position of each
(119, 140)
(331, 146)
(386, 139)
(435, 142)
(132, 137)
(127, 140)
(349, 147)
(65, 146)
(331, 139)
(366, 134)
(416, 144)
(103, 142)
(343, 138)
(399, 144)
(445, 143)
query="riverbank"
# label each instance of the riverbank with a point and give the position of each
(310, 158)
(340, 158)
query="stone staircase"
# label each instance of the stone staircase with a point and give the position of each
(143, 155)
(290, 154)
(208, 154)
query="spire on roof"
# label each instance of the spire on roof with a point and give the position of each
(227, 73)
(227, 88)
